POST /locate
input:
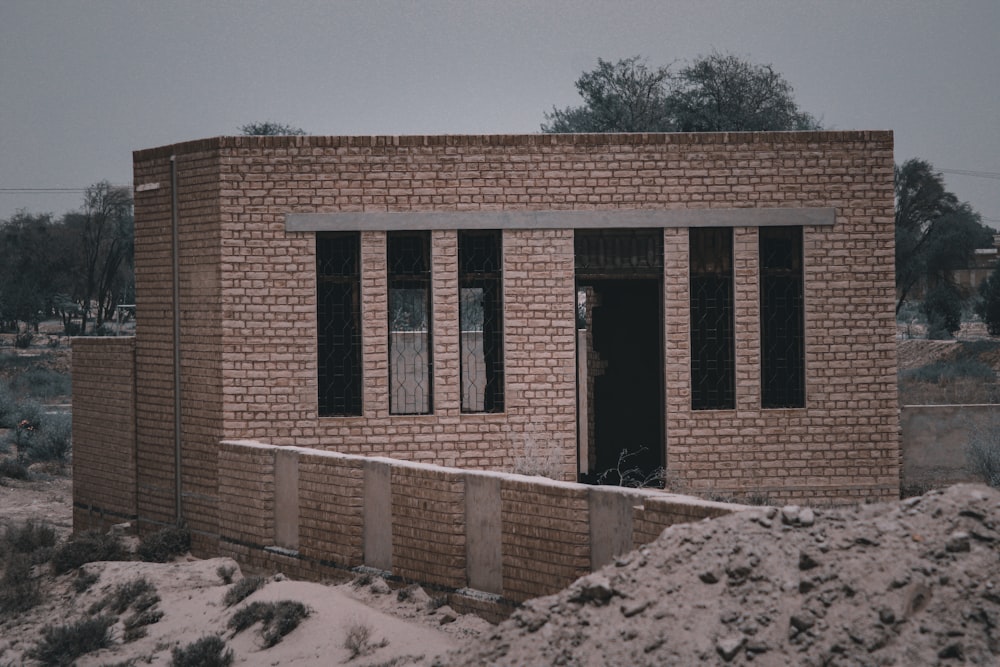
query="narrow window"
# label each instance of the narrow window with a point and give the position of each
(781, 318)
(410, 361)
(338, 315)
(713, 370)
(480, 314)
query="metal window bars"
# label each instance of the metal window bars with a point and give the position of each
(338, 314)
(480, 281)
(782, 318)
(713, 367)
(410, 356)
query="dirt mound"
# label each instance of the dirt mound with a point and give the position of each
(909, 583)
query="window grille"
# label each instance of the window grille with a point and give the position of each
(410, 358)
(713, 368)
(338, 315)
(480, 312)
(616, 253)
(782, 321)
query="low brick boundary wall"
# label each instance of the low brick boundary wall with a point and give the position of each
(104, 460)
(489, 540)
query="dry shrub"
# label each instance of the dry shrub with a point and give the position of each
(243, 589)
(208, 651)
(61, 645)
(277, 619)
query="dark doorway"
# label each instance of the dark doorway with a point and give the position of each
(620, 326)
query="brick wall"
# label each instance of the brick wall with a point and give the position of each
(246, 491)
(201, 342)
(428, 525)
(103, 432)
(545, 536)
(331, 509)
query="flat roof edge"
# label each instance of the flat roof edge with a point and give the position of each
(528, 139)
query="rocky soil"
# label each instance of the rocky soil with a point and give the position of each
(909, 583)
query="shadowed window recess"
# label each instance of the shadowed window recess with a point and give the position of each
(782, 322)
(713, 368)
(410, 357)
(338, 314)
(480, 285)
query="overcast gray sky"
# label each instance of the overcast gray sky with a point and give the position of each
(84, 83)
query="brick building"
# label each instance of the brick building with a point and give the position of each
(721, 304)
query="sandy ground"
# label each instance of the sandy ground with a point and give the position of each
(191, 593)
(915, 582)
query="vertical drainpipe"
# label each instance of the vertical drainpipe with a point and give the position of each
(176, 271)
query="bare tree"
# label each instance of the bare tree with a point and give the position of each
(105, 233)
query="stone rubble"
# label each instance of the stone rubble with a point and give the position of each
(915, 582)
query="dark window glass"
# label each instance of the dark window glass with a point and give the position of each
(410, 360)
(338, 314)
(781, 318)
(480, 313)
(713, 368)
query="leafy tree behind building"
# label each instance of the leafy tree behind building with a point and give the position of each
(77, 268)
(936, 234)
(270, 128)
(715, 93)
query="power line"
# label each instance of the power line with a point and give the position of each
(28, 191)
(53, 190)
(968, 172)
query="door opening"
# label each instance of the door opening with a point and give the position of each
(620, 380)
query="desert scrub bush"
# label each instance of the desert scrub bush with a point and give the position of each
(226, 573)
(34, 540)
(8, 405)
(164, 544)
(982, 452)
(27, 420)
(84, 580)
(19, 590)
(208, 651)
(52, 440)
(243, 589)
(140, 592)
(41, 383)
(61, 645)
(141, 596)
(948, 370)
(358, 640)
(277, 619)
(11, 468)
(135, 624)
(87, 547)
